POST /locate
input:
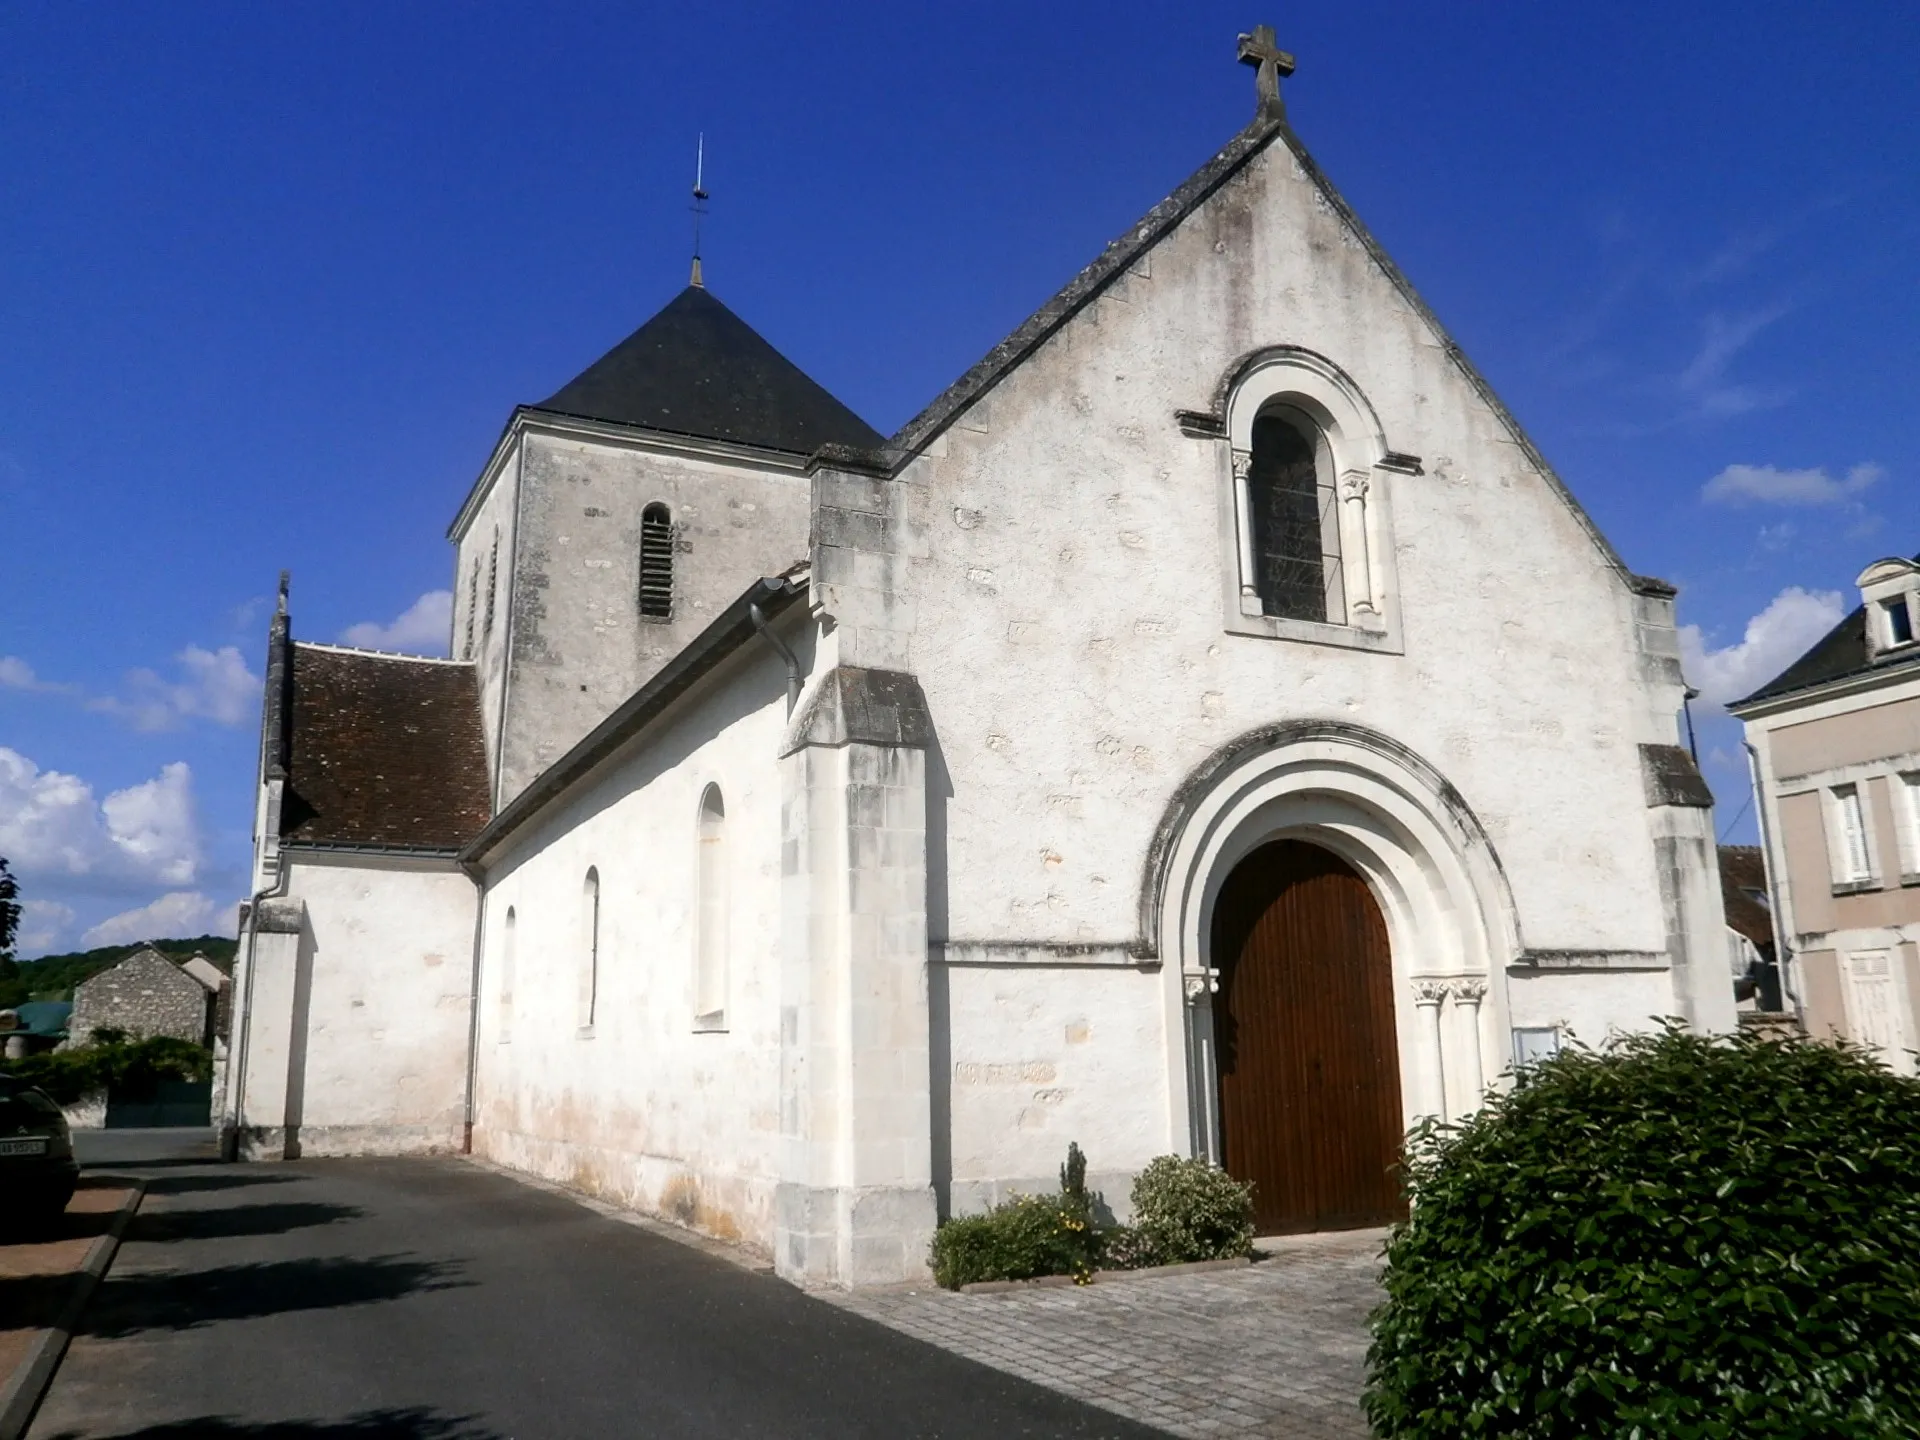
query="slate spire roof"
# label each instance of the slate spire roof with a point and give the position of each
(698, 369)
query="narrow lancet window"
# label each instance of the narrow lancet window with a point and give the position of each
(710, 959)
(1294, 520)
(590, 938)
(509, 960)
(473, 606)
(656, 563)
(493, 574)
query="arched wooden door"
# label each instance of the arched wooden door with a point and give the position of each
(1304, 1033)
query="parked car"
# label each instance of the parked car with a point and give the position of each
(37, 1168)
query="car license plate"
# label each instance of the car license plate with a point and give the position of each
(35, 1146)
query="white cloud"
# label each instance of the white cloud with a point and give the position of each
(17, 674)
(1774, 639)
(423, 628)
(214, 685)
(179, 914)
(50, 824)
(41, 924)
(1704, 383)
(1770, 485)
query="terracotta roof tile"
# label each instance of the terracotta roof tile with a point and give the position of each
(383, 750)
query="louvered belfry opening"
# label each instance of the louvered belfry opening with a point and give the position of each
(656, 563)
(1307, 1048)
(1296, 534)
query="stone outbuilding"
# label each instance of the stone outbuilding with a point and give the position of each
(147, 994)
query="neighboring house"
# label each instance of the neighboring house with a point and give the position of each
(1836, 741)
(33, 1027)
(144, 995)
(1209, 727)
(1749, 910)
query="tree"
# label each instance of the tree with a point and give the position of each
(12, 992)
(9, 915)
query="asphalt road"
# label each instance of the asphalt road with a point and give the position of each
(433, 1300)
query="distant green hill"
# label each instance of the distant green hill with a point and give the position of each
(52, 977)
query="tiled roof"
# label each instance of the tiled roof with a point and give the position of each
(696, 368)
(383, 750)
(1841, 652)
(1742, 870)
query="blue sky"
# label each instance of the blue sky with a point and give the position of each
(272, 278)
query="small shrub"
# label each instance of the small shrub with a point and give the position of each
(1680, 1237)
(130, 1068)
(1025, 1237)
(1186, 1210)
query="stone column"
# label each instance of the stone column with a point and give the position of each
(1353, 501)
(1243, 531)
(1430, 995)
(855, 1203)
(1203, 1072)
(1467, 995)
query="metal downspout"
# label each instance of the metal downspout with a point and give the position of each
(1775, 896)
(477, 875)
(759, 619)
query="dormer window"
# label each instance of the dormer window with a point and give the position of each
(1890, 589)
(1899, 621)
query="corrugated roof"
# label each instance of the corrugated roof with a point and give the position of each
(698, 369)
(383, 750)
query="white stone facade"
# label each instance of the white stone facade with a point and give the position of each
(964, 843)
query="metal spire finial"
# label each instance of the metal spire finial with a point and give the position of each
(699, 204)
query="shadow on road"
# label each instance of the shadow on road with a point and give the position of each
(236, 1220)
(217, 1179)
(408, 1424)
(187, 1299)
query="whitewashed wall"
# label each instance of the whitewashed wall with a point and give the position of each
(356, 1038)
(645, 1109)
(1059, 591)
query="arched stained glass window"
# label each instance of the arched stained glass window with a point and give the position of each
(1294, 520)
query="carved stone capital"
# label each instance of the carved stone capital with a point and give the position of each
(1429, 992)
(1354, 485)
(1242, 464)
(1470, 991)
(1206, 982)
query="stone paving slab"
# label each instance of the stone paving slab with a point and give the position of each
(1277, 1349)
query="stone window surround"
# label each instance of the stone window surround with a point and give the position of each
(1906, 805)
(1839, 863)
(1303, 381)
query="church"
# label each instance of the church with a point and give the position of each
(1209, 727)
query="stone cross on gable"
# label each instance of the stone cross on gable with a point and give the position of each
(1273, 64)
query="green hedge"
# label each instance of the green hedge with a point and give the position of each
(1679, 1237)
(1183, 1210)
(113, 1063)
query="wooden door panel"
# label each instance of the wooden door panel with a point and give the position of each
(1304, 1023)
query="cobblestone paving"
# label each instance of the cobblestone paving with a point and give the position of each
(1277, 1349)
